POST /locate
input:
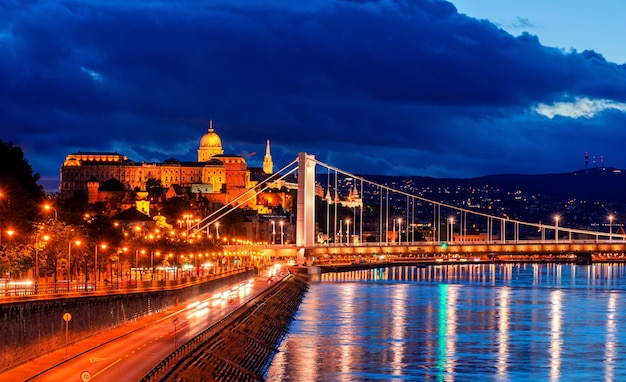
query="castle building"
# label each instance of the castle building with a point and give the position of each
(220, 177)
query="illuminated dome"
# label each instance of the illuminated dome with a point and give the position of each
(211, 139)
(210, 145)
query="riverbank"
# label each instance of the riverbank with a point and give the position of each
(240, 347)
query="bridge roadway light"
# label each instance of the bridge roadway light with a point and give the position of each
(556, 228)
(610, 227)
(348, 231)
(400, 231)
(273, 231)
(451, 220)
(282, 234)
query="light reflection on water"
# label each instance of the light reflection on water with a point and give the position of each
(464, 322)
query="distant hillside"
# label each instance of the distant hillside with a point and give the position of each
(600, 184)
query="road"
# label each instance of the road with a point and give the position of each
(129, 352)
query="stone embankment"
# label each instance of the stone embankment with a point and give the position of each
(241, 346)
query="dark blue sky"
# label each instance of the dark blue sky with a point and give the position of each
(371, 87)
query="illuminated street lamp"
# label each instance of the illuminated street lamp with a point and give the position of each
(273, 232)
(10, 232)
(46, 238)
(348, 231)
(282, 234)
(556, 228)
(400, 231)
(217, 230)
(340, 231)
(48, 207)
(451, 220)
(610, 227)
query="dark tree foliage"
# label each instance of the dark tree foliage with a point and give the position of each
(112, 185)
(154, 187)
(21, 196)
(175, 208)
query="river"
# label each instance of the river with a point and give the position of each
(465, 322)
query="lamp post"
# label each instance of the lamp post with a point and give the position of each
(10, 232)
(273, 232)
(217, 230)
(46, 237)
(400, 231)
(69, 262)
(556, 228)
(48, 207)
(348, 231)
(96, 269)
(610, 227)
(340, 231)
(451, 220)
(282, 234)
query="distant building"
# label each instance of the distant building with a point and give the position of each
(217, 176)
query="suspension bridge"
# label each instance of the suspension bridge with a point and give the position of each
(392, 222)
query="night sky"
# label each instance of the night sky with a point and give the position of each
(372, 87)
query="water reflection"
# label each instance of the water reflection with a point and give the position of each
(493, 322)
(556, 341)
(610, 352)
(504, 299)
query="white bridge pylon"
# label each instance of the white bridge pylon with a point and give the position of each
(442, 225)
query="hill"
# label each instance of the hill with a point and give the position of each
(600, 184)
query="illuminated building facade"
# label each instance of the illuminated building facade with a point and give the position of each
(221, 177)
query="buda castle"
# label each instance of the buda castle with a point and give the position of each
(218, 176)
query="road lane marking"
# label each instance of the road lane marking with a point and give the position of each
(101, 371)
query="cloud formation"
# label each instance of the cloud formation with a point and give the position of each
(581, 107)
(373, 87)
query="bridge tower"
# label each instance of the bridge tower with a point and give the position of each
(305, 223)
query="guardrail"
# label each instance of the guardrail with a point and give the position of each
(28, 289)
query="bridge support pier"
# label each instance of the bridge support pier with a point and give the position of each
(305, 224)
(584, 258)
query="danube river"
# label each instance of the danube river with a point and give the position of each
(466, 322)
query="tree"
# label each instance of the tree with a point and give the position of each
(174, 208)
(112, 185)
(20, 195)
(154, 187)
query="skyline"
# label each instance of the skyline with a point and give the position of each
(379, 87)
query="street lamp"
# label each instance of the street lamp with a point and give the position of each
(451, 229)
(610, 227)
(69, 262)
(96, 269)
(556, 228)
(273, 232)
(282, 234)
(46, 238)
(48, 207)
(217, 230)
(143, 251)
(340, 231)
(400, 231)
(10, 232)
(348, 231)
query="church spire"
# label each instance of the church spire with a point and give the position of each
(268, 165)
